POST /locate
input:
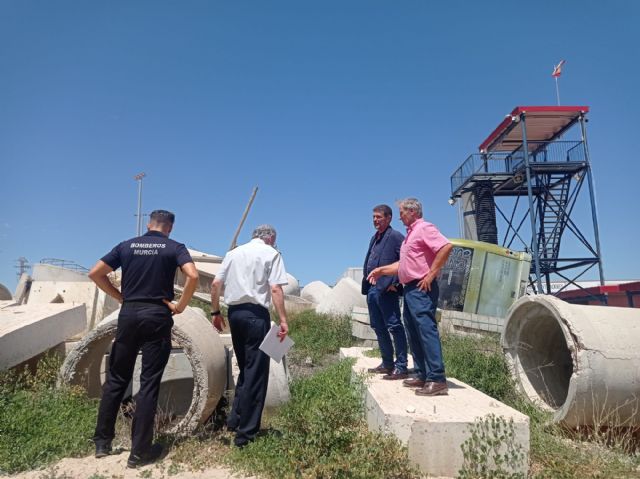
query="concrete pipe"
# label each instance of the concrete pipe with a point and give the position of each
(202, 346)
(581, 362)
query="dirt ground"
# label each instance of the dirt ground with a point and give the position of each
(115, 467)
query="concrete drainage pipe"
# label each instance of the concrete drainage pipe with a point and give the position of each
(581, 362)
(201, 345)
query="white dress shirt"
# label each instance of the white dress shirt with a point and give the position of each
(249, 271)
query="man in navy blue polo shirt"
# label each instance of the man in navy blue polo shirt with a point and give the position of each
(149, 264)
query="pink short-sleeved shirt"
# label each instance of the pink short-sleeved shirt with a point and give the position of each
(418, 250)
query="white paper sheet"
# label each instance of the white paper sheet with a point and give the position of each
(272, 346)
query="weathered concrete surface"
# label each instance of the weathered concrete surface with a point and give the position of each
(582, 362)
(5, 294)
(315, 291)
(434, 428)
(22, 289)
(192, 332)
(296, 304)
(278, 386)
(28, 330)
(52, 284)
(342, 298)
(292, 288)
(361, 326)
(459, 322)
(176, 388)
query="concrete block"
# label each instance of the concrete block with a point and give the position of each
(176, 387)
(22, 289)
(433, 429)
(361, 326)
(342, 298)
(296, 304)
(58, 285)
(315, 291)
(278, 387)
(28, 330)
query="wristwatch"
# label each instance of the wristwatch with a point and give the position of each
(215, 313)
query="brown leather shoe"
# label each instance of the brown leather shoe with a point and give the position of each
(380, 370)
(395, 375)
(433, 389)
(413, 383)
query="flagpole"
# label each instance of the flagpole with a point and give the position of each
(557, 91)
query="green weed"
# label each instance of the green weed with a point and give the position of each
(318, 335)
(38, 423)
(321, 433)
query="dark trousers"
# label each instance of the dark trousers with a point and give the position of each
(249, 325)
(142, 326)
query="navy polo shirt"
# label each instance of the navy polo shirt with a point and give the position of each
(149, 264)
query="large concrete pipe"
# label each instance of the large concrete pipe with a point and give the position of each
(581, 362)
(193, 333)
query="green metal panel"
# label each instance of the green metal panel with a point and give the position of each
(482, 278)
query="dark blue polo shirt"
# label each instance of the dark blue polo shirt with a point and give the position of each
(149, 264)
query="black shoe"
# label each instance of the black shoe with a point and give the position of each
(152, 455)
(380, 370)
(103, 450)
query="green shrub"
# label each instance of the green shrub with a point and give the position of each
(38, 423)
(321, 433)
(317, 335)
(479, 362)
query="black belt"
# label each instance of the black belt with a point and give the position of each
(143, 302)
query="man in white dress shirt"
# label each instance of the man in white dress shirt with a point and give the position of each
(252, 276)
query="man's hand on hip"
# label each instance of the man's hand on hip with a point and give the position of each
(425, 283)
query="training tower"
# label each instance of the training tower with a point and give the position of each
(532, 181)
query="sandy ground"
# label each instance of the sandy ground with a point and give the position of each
(115, 467)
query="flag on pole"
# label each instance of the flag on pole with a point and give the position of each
(557, 70)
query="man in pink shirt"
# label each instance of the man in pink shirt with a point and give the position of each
(423, 253)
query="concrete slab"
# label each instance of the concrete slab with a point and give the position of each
(28, 330)
(342, 298)
(433, 429)
(360, 324)
(459, 322)
(22, 289)
(52, 284)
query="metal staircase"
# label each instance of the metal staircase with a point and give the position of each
(552, 205)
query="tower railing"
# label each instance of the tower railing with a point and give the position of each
(496, 163)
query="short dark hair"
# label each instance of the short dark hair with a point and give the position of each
(162, 217)
(385, 210)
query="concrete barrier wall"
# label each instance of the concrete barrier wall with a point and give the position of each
(581, 362)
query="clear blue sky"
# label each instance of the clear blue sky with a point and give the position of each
(329, 107)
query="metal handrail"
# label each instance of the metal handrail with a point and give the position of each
(508, 163)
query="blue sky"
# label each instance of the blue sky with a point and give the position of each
(329, 107)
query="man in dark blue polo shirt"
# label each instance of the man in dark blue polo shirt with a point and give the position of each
(149, 264)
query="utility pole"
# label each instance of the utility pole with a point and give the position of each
(138, 178)
(244, 217)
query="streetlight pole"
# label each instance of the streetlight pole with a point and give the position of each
(138, 178)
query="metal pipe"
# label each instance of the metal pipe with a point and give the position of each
(534, 229)
(592, 197)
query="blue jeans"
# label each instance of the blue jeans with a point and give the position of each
(422, 330)
(384, 315)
